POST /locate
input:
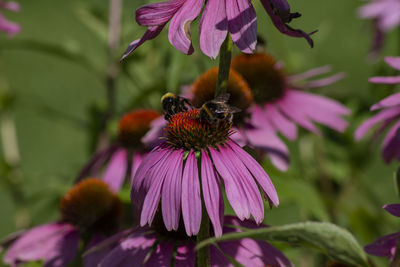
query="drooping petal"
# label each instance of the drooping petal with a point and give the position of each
(179, 28)
(213, 27)
(383, 115)
(152, 137)
(191, 200)
(309, 74)
(171, 192)
(384, 246)
(393, 209)
(257, 171)
(136, 161)
(10, 5)
(385, 80)
(250, 187)
(212, 193)
(8, 27)
(281, 122)
(325, 81)
(161, 256)
(391, 143)
(156, 14)
(233, 188)
(115, 173)
(282, 26)
(394, 62)
(242, 24)
(151, 33)
(390, 101)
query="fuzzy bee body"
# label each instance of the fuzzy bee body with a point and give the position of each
(217, 110)
(173, 104)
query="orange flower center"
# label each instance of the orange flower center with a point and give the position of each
(266, 81)
(185, 130)
(91, 205)
(134, 125)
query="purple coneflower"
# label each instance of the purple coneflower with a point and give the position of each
(5, 25)
(385, 246)
(385, 15)
(158, 247)
(237, 17)
(388, 116)
(126, 153)
(89, 208)
(192, 160)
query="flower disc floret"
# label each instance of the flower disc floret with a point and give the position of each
(266, 80)
(91, 205)
(186, 130)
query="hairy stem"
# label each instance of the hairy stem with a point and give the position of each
(225, 54)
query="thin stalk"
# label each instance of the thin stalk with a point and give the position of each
(203, 255)
(225, 54)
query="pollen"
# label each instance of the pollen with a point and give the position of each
(203, 89)
(91, 206)
(185, 130)
(134, 125)
(266, 80)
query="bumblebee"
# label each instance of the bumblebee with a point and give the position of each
(173, 104)
(217, 110)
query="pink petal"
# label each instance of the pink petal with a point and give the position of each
(233, 187)
(281, 122)
(185, 255)
(116, 170)
(390, 101)
(191, 200)
(383, 115)
(10, 5)
(212, 193)
(385, 80)
(151, 33)
(393, 209)
(258, 172)
(309, 74)
(171, 192)
(250, 187)
(213, 27)
(136, 161)
(179, 28)
(326, 81)
(8, 27)
(156, 14)
(394, 62)
(242, 24)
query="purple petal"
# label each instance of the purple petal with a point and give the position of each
(383, 115)
(391, 143)
(171, 192)
(270, 143)
(185, 255)
(157, 13)
(249, 186)
(137, 159)
(213, 27)
(161, 256)
(151, 33)
(152, 137)
(218, 259)
(394, 62)
(191, 201)
(384, 246)
(390, 101)
(233, 188)
(281, 122)
(47, 242)
(393, 209)
(385, 80)
(258, 172)
(212, 193)
(309, 74)
(242, 24)
(115, 173)
(282, 27)
(325, 81)
(155, 180)
(179, 28)
(8, 27)
(10, 5)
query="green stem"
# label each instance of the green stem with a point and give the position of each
(203, 255)
(225, 54)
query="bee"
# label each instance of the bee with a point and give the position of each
(217, 110)
(173, 104)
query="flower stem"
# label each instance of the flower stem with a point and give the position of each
(225, 54)
(203, 255)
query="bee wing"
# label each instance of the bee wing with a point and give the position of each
(226, 108)
(222, 98)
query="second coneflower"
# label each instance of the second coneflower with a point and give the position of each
(189, 166)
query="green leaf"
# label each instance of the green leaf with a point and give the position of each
(330, 239)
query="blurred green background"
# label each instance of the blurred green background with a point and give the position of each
(52, 86)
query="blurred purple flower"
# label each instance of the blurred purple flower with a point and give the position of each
(197, 155)
(389, 115)
(237, 17)
(126, 153)
(385, 246)
(5, 25)
(385, 15)
(57, 243)
(154, 247)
